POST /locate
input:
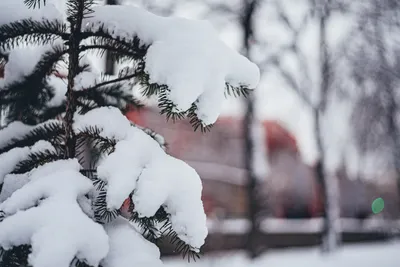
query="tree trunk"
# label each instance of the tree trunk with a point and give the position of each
(73, 69)
(252, 245)
(110, 64)
(328, 183)
(389, 90)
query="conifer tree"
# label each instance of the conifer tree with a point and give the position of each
(55, 212)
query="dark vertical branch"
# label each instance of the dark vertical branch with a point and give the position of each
(247, 25)
(73, 69)
(110, 64)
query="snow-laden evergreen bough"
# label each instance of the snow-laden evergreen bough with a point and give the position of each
(79, 184)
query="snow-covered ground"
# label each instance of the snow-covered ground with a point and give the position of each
(371, 255)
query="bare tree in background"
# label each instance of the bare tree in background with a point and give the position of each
(247, 23)
(376, 60)
(301, 83)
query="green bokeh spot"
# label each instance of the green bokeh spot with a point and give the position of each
(378, 205)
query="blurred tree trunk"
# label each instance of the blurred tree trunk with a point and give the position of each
(249, 7)
(328, 182)
(388, 88)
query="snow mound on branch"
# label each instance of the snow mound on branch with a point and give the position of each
(55, 239)
(17, 130)
(12, 182)
(139, 164)
(171, 182)
(22, 62)
(14, 130)
(85, 80)
(128, 247)
(15, 10)
(10, 159)
(187, 55)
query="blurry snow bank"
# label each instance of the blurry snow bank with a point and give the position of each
(372, 255)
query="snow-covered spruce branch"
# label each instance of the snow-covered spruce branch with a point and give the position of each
(31, 31)
(50, 130)
(133, 194)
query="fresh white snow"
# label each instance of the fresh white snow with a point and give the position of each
(128, 247)
(140, 165)
(368, 255)
(187, 55)
(14, 10)
(10, 159)
(57, 228)
(14, 130)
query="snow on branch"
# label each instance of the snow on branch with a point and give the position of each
(18, 134)
(39, 214)
(139, 165)
(186, 55)
(14, 159)
(16, 10)
(128, 247)
(13, 131)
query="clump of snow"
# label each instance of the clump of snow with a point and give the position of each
(55, 239)
(180, 56)
(42, 145)
(123, 167)
(128, 247)
(140, 165)
(10, 159)
(17, 130)
(171, 183)
(12, 182)
(22, 61)
(84, 80)
(110, 121)
(15, 10)
(14, 130)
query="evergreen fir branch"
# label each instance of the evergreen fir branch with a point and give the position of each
(52, 112)
(49, 131)
(2, 214)
(79, 9)
(16, 256)
(153, 234)
(92, 175)
(37, 159)
(34, 3)
(167, 107)
(102, 39)
(85, 105)
(91, 135)
(32, 32)
(110, 93)
(120, 49)
(240, 91)
(196, 122)
(147, 225)
(26, 97)
(181, 247)
(78, 263)
(101, 213)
